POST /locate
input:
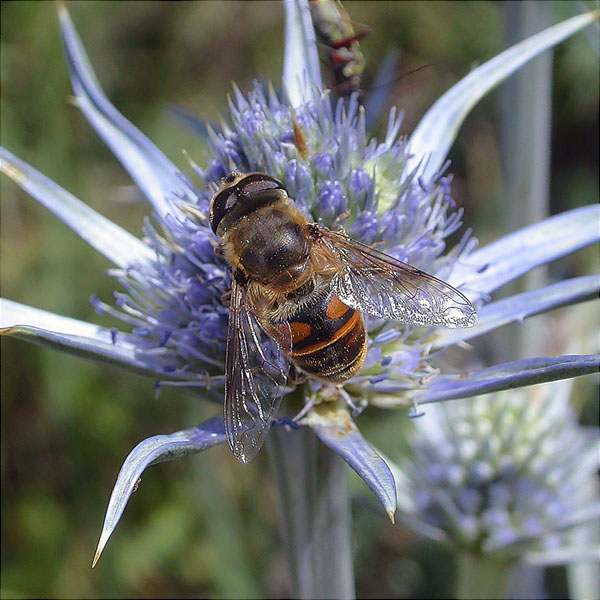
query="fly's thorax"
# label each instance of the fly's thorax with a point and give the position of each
(270, 246)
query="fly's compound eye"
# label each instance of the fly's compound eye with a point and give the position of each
(242, 194)
(221, 205)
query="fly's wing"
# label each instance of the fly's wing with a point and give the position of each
(255, 376)
(384, 287)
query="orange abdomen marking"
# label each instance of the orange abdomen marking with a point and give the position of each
(328, 338)
(338, 358)
(300, 331)
(336, 308)
(322, 338)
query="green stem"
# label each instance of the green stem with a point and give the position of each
(314, 514)
(481, 578)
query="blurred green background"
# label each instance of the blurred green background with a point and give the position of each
(207, 526)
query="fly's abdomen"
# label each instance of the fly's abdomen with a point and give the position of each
(329, 339)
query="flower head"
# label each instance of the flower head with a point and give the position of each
(505, 474)
(173, 304)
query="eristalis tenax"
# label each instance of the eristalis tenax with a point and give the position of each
(307, 288)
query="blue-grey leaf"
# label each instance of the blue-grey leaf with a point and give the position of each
(509, 375)
(333, 425)
(437, 130)
(159, 179)
(522, 306)
(116, 244)
(69, 335)
(159, 448)
(517, 253)
(99, 344)
(301, 70)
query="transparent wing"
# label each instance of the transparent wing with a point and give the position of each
(382, 286)
(255, 376)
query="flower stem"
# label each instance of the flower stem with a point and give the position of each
(479, 577)
(314, 514)
(526, 140)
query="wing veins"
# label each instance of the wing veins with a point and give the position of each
(253, 382)
(386, 287)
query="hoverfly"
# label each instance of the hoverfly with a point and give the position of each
(306, 287)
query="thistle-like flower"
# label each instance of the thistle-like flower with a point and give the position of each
(503, 475)
(393, 194)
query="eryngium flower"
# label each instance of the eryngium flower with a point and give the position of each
(173, 302)
(391, 193)
(503, 474)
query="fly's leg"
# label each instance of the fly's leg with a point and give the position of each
(305, 410)
(356, 408)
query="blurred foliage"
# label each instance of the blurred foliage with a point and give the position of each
(206, 526)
